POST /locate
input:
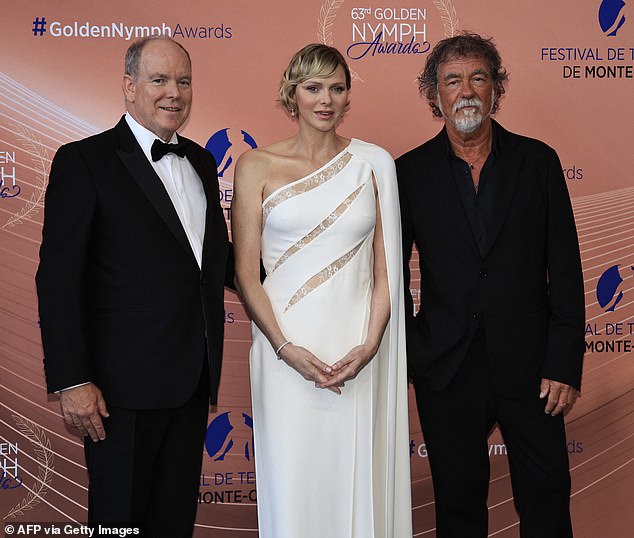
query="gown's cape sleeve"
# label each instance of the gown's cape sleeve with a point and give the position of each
(391, 461)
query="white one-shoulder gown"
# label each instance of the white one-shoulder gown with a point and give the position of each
(327, 465)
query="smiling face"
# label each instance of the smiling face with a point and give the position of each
(465, 93)
(160, 96)
(321, 102)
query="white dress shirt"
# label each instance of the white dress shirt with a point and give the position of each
(181, 182)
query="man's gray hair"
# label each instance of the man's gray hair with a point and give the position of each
(464, 45)
(133, 54)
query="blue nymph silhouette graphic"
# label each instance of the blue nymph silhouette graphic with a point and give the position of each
(607, 288)
(611, 16)
(219, 441)
(227, 145)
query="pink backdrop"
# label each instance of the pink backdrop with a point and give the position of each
(570, 85)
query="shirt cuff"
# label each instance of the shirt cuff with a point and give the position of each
(73, 387)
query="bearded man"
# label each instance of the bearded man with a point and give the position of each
(499, 337)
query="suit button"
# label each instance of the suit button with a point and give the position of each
(205, 281)
(484, 273)
(476, 315)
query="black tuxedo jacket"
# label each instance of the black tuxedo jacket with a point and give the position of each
(527, 288)
(122, 300)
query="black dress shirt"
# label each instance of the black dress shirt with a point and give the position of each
(478, 205)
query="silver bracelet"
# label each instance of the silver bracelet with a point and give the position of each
(279, 349)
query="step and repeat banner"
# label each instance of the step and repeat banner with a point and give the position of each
(571, 66)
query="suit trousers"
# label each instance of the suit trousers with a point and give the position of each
(456, 423)
(146, 473)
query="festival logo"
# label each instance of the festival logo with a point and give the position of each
(378, 29)
(615, 335)
(589, 60)
(28, 483)
(609, 293)
(219, 442)
(228, 484)
(8, 183)
(611, 16)
(226, 146)
(10, 187)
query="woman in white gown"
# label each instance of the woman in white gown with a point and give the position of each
(330, 417)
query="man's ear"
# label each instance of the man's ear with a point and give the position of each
(129, 88)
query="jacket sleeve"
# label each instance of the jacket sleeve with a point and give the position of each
(565, 345)
(413, 337)
(61, 276)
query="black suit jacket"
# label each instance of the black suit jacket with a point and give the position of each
(527, 288)
(122, 300)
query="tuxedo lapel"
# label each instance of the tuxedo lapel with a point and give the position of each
(442, 179)
(146, 178)
(509, 166)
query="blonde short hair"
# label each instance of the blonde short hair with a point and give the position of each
(313, 61)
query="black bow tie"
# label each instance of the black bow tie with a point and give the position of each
(160, 149)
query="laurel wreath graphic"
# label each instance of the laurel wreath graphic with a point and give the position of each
(44, 454)
(41, 161)
(327, 15)
(447, 16)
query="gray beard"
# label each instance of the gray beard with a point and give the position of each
(469, 124)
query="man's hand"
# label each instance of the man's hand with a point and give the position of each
(561, 397)
(83, 408)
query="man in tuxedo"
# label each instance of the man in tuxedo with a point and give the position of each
(131, 279)
(499, 336)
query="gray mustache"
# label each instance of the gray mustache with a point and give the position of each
(467, 102)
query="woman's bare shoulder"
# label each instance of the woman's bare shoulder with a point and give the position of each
(267, 155)
(261, 162)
